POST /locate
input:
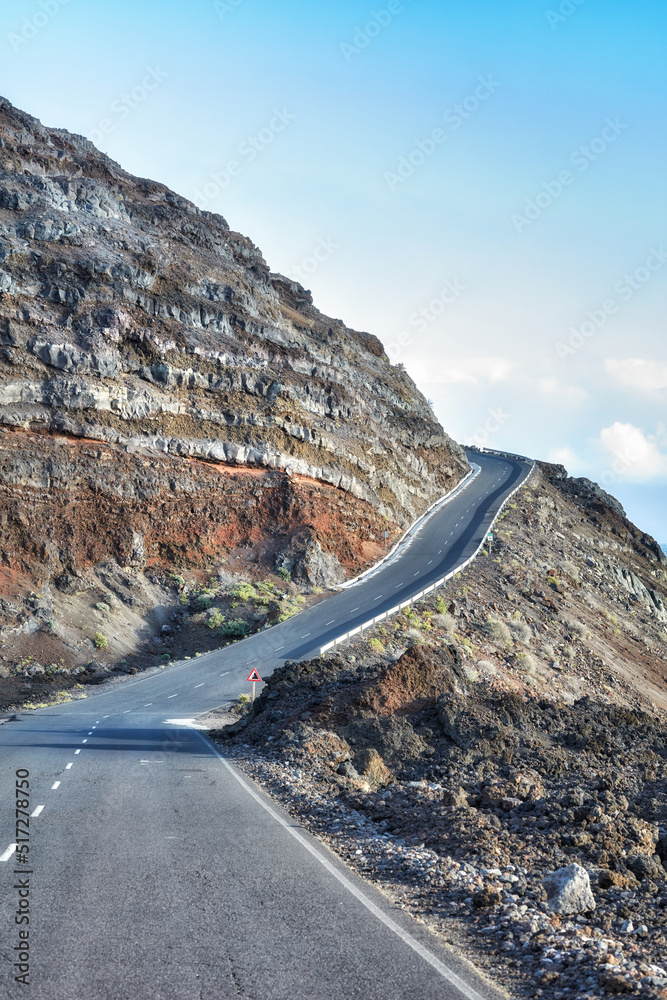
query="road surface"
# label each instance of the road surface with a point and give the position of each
(158, 872)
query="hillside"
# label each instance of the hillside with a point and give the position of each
(169, 405)
(512, 725)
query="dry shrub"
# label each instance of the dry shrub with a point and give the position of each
(499, 632)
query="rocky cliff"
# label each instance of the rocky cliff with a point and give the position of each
(148, 354)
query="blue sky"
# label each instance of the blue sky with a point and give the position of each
(482, 187)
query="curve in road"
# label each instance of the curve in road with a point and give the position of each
(158, 871)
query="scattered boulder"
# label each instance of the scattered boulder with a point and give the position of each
(307, 562)
(486, 897)
(372, 768)
(569, 890)
(457, 797)
(645, 866)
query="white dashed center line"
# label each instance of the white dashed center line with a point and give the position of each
(225, 673)
(106, 716)
(148, 704)
(84, 741)
(171, 696)
(37, 811)
(77, 751)
(331, 622)
(56, 784)
(306, 635)
(398, 586)
(429, 562)
(126, 711)
(353, 610)
(378, 597)
(69, 765)
(8, 853)
(90, 733)
(199, 685)
(275, 651)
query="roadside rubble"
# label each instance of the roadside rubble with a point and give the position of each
(459, 800)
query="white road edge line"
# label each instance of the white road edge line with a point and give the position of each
(37, 811)
(8, 853)
(56, 784)
(405, 936)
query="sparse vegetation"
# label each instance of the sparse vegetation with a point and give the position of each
(101, 641)
(243, 592)
(499, 632)
(215, 618)
(234, 628)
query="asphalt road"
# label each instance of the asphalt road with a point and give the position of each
(157, 871)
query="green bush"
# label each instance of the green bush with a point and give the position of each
(101, 641)
(235, 628)
(204, 601)
(215, 619)
(284, 573)
(243, 592)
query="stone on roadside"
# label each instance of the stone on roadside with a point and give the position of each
(569, 890)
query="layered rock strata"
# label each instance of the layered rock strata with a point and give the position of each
(130, 317)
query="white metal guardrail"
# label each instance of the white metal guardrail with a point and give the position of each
(431, 589)
(414, 527)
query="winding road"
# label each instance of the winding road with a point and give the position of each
(158, 872)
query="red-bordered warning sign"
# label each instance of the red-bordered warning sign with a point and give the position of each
(254, 676)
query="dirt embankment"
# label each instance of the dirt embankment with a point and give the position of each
(505, 729)
(93, 542)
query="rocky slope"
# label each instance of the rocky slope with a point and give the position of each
(148, 357)
(511, 726)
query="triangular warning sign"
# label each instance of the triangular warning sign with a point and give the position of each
(254, 676)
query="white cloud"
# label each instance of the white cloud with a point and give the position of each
(638, 373)
(631, 453)
(477, 372)
(571, 395)
(565, 456)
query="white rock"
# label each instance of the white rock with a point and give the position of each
(569, 890)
